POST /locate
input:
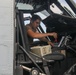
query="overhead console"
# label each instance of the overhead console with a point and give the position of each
(61, 23)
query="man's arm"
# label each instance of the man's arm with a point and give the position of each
(40, 35)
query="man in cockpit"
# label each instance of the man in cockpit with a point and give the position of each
(33, 33)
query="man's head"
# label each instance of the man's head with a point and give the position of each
(35, 21)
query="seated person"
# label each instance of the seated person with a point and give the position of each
(32, 31)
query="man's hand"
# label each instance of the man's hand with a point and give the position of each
(50, 43)
(54, 35)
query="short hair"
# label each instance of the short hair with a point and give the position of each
(35, 17)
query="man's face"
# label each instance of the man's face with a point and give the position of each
(36, 23)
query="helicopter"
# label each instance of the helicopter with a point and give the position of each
(63, 24)
(17, 58)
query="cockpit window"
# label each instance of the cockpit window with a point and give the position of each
(43, 14)
(74, 1)
(55, 9)
(66, 6)
(26, 15)
(26, 18)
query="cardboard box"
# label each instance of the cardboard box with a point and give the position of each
(41, 50)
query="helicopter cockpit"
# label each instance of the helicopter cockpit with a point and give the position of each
(61, 21)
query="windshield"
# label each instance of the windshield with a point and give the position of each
(65, 5)
(74, 1)
(54, 8)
